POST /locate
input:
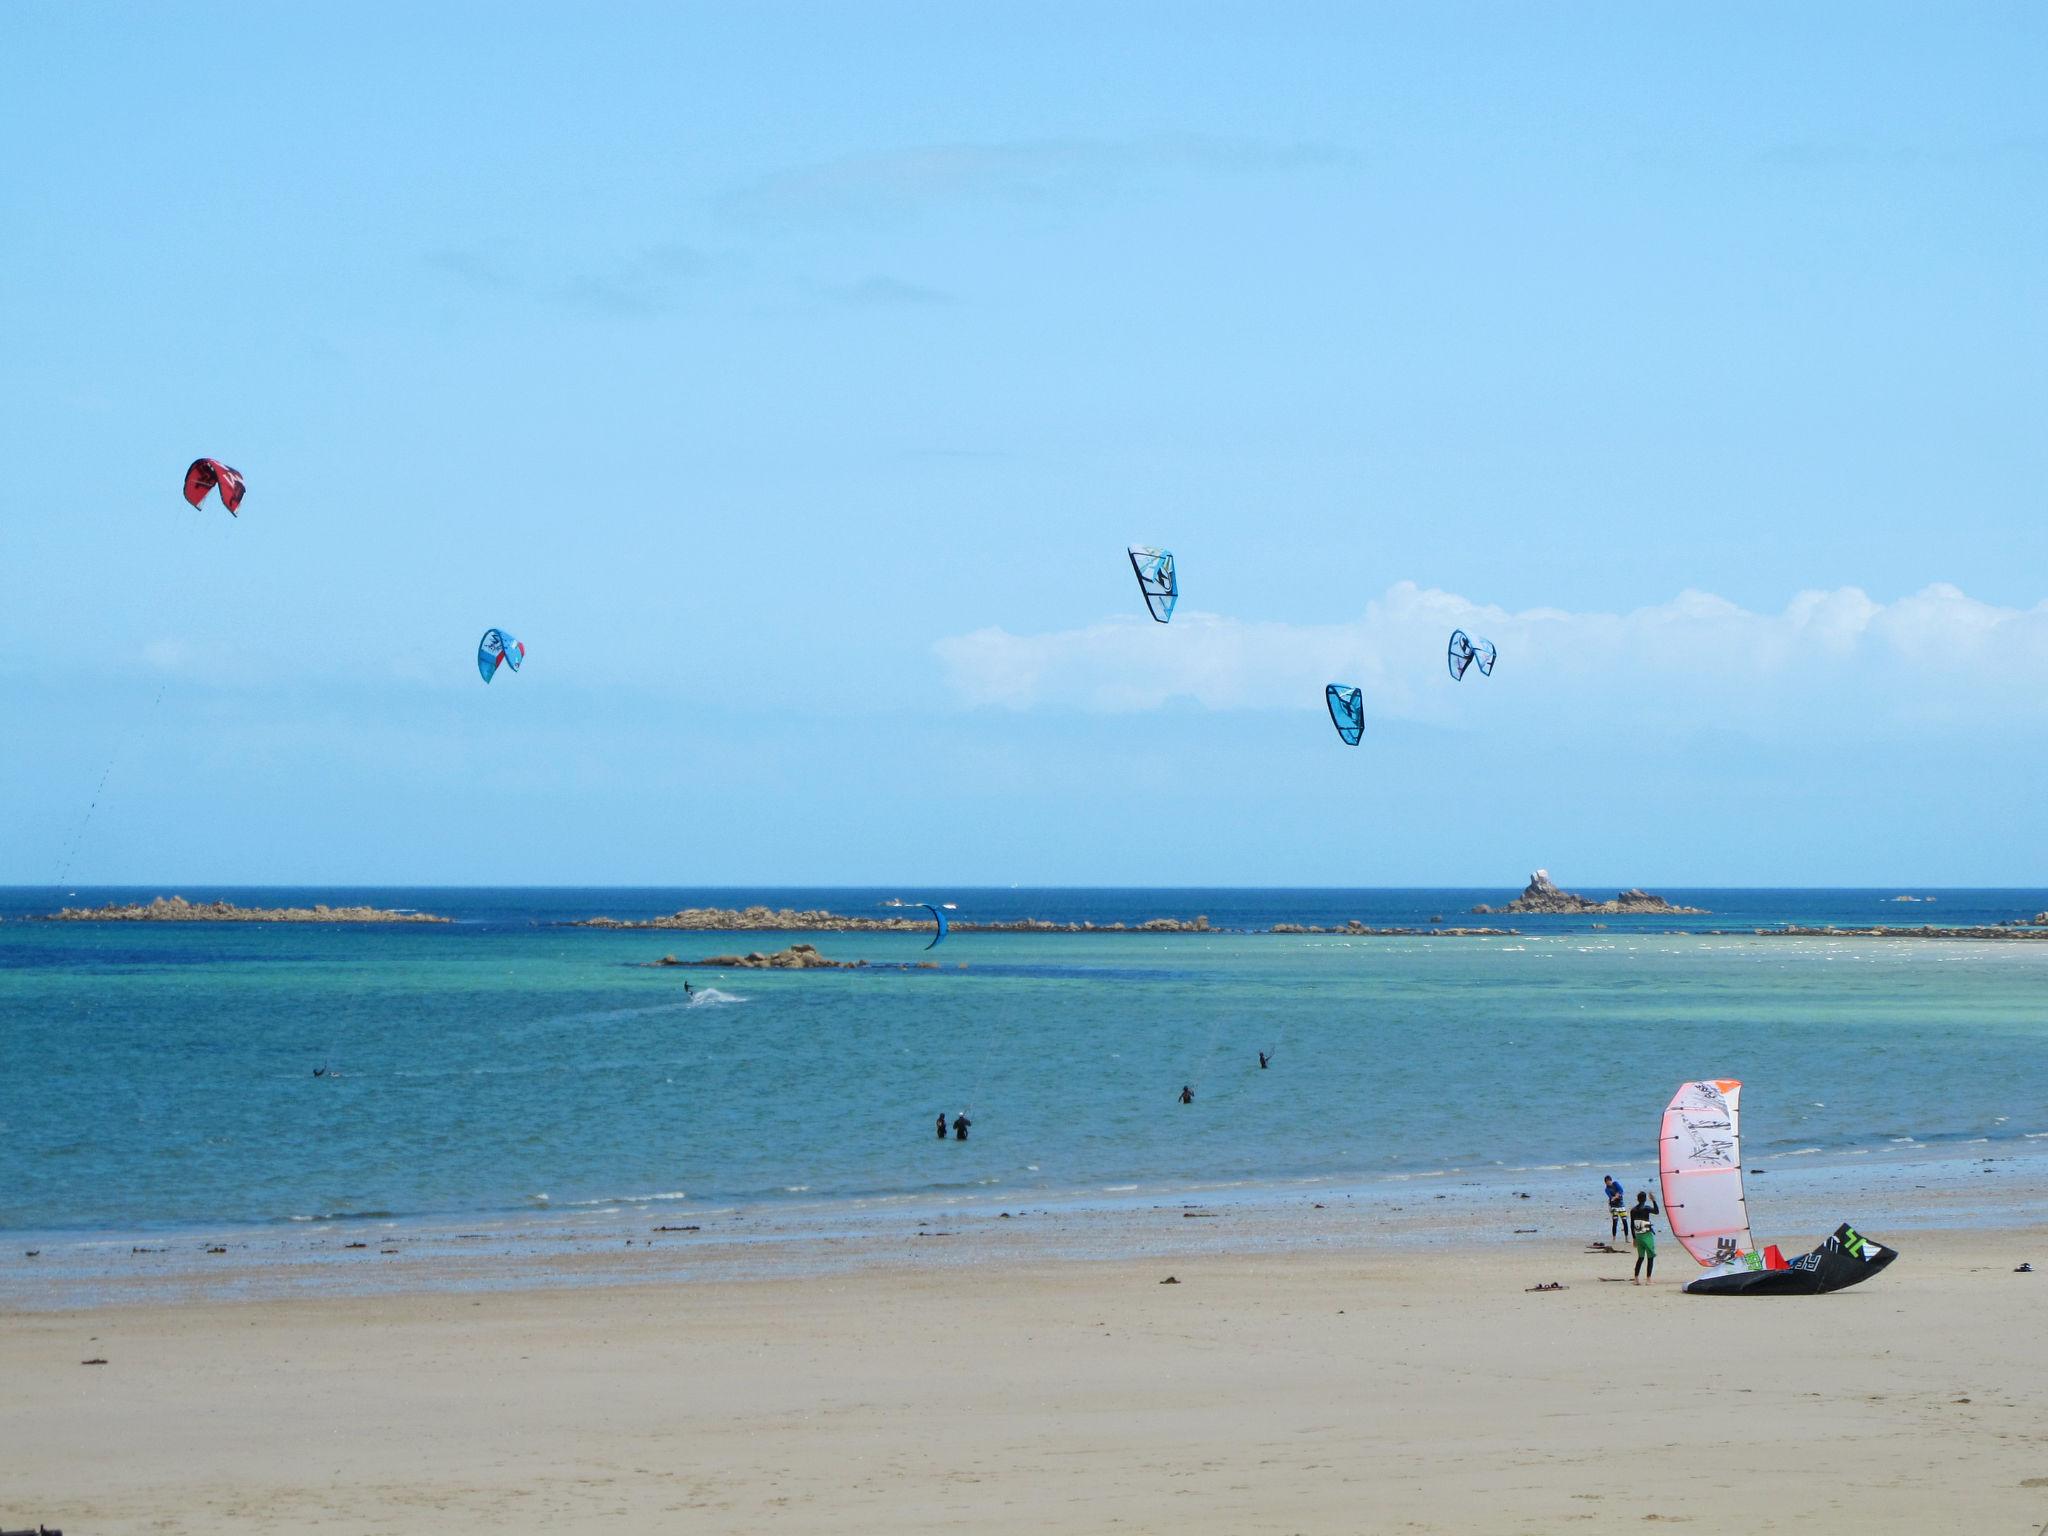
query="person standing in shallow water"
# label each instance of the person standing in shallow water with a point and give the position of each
(960, 1124)
(1187, 1094)
(942, 1125)
(1645, 1233)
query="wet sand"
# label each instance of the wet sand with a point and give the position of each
(1404, 1388)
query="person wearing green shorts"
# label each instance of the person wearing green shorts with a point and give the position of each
(1645, 1232)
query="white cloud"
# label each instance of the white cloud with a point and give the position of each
(1841, 644)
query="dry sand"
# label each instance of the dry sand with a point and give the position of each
(1396, 1391)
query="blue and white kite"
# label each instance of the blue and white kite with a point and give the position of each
(1463, 653)
(498, 649)
(1156, 579)
(1347, 711)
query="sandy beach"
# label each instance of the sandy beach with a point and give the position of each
(1409, 1389)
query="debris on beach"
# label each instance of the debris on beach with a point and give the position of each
(1171, 1280)
(2024, 1269)
(1555, 1285)
(95, 1360)
(679, 1229)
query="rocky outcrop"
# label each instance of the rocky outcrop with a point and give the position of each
(176, 909)
(798, 957)
(1540, 898)
(817, 920)
(2017, 930)
(1356, 929)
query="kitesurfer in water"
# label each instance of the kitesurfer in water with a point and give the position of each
(1645, 1232)
(1187, 1094)
(319, 1071)
(1264, 1060)
(1615, 1214)
(688, 990)
(942, 1125)
(960, 1124)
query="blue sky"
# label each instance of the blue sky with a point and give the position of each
(790, 380)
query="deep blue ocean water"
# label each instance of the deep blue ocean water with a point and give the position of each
(161, 1076)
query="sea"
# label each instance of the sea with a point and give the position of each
(161, 1081)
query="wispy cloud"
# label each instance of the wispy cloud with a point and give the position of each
(879, 292)
(474, 270)
(905, 180)
(642, 283)
(1937, 648)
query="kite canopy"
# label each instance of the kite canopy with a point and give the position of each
(1347, 711)
(1156, 579)
(1847, 1258)
(1699, 1156)
(208, 474)
(1463, 652)
(498, 649)
(938, 916)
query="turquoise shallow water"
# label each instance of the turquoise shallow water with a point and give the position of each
(156, 1078)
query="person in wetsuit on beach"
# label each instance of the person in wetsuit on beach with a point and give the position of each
(960, 1124)
(1645, 1232)
(1617, 1215)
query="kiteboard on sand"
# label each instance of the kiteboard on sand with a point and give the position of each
(1699, 1159)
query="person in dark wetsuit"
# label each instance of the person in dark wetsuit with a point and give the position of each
(960, 1124)
(688, 990)
(319, 1071)
(1645, 1233)
(942, 1125)
(1187, 1094)
(1617, 1216)
(1264, 1059)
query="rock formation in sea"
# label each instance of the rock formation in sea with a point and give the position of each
(1356, 929)
(1541, 898)
(817, 920)
(176, 909)
(798, 957)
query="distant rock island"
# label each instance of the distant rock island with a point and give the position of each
(1360, 930)
(1543, 899)
(176, 909)
(798, 957)
(818, 920)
